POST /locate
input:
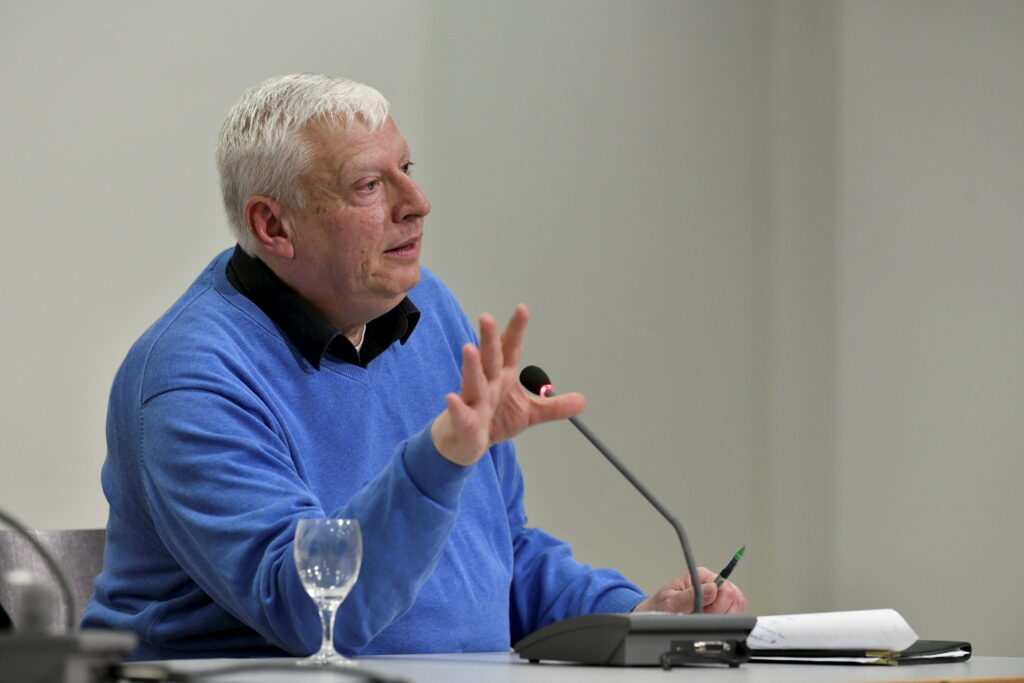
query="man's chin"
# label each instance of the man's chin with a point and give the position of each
(403, 282)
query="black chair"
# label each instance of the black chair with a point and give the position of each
(78, 552)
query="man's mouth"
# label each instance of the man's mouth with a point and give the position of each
(406, 248)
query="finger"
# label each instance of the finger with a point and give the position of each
(706, 575)
(461, 414)
(558, 407)
(724, 602)
(680, 601)
(734, 600)
(490, 346)
(474, 382)
(450, 430)
(708, 593)
(513, 336)
(682, 582)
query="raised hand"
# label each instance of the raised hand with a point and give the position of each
(491, 407)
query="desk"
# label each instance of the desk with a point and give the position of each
(501, 667)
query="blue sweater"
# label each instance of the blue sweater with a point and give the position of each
(221, 436)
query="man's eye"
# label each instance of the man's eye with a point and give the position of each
(407, 168)
(372, 185)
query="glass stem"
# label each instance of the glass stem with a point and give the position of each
(328, 612)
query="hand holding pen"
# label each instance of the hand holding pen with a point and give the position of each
(677, 596)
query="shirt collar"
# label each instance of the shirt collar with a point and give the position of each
(305, 327)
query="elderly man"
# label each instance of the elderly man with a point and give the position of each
(317, 370)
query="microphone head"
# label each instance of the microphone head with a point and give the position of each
(534, 379)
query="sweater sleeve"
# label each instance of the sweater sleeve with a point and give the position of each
(548, 584)
(224, 495)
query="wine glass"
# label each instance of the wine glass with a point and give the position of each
(328, 553)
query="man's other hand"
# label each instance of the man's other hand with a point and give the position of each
(677, 596)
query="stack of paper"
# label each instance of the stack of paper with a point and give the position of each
(880, 636)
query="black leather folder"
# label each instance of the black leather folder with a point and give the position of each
(921, 652)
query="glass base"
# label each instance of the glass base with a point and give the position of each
(327, 659)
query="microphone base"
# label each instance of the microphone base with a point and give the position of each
(89, 656)
(643, 639)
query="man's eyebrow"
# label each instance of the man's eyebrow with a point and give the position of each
(369, 166)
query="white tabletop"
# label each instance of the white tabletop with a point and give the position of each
(501, 667)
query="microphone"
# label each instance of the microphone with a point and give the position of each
(28, 652)
(41, 603)
(638, 638)
(536, 381)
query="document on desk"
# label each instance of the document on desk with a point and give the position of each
(874, 629)
(879, 636)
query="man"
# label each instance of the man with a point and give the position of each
(317, 371)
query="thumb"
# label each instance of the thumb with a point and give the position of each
(558, 407)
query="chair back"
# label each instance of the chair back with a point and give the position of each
(78, 552)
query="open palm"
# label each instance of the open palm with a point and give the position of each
(491, 407)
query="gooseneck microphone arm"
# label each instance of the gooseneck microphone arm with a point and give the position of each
(537, 382)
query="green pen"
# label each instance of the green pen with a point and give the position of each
(724, 574)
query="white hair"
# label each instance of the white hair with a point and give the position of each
(261, 150)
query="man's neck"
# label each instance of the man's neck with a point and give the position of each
(307, 327)
(349, 317)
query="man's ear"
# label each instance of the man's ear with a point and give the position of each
(265, 218)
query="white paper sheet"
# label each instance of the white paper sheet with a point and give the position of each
(878, 629)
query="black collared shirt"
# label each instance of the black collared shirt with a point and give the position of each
(311, 333)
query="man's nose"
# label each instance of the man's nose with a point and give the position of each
(412, 203)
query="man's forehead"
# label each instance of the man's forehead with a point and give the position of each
(340, 142)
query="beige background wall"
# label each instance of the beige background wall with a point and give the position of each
(775, 243)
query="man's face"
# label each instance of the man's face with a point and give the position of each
(357, 241)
